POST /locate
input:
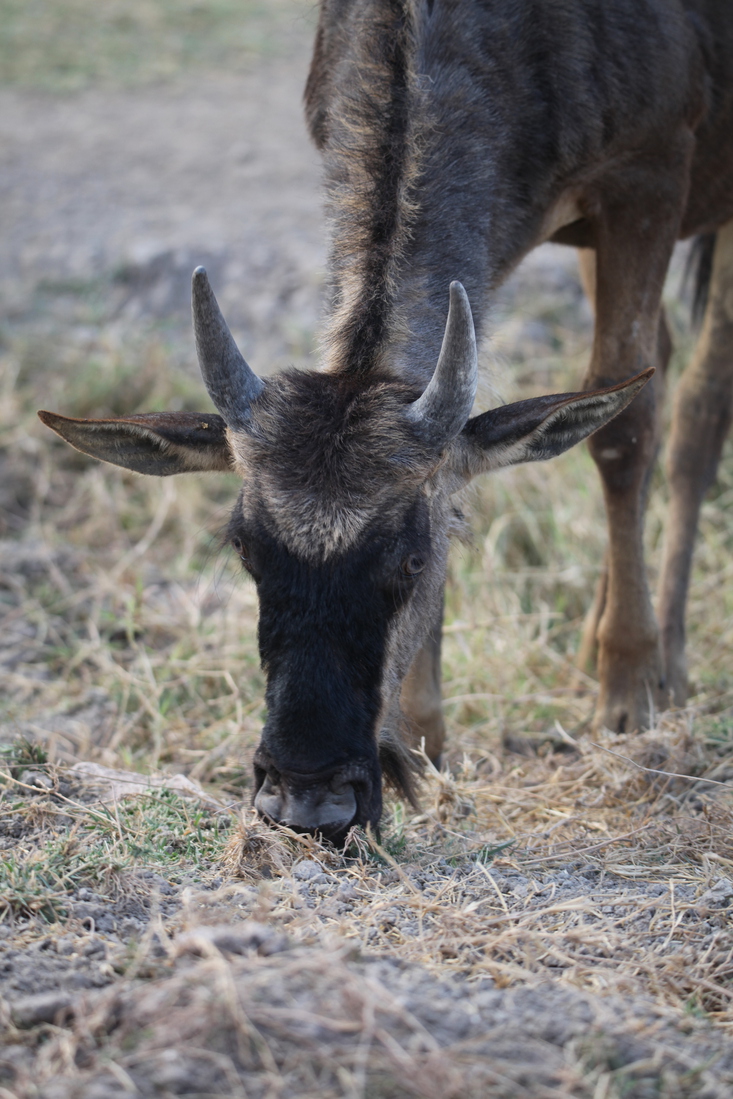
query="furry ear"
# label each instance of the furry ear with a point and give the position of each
(542, 427)
(158, 443)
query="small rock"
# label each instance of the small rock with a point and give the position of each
(389, 918)
(96, 946)
(718, 896)
(130, 927)
(37, 779)
(44, 1007)
(97, 916)
(232, 939)
(308, 870)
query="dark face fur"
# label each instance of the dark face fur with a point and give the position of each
(335, 524)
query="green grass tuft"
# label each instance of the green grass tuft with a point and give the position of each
(95, 846)
(20, 755)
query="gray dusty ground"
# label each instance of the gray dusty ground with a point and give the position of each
(138, 188)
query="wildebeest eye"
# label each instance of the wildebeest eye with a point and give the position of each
(240, 548)
(412, 565)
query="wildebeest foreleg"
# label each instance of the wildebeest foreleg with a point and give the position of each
(636, 222)
(702, 417)
(421, 700)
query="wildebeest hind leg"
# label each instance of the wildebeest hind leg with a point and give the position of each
(702, 417)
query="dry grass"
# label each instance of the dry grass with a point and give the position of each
(308, 1024)
(611, 826)
(595, 875)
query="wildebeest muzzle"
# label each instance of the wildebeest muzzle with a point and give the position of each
(326, 803)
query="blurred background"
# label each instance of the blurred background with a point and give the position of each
(138, 139)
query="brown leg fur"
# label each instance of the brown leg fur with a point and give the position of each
(702, 416)
(636, 221)
(588, 649)
(421, 700)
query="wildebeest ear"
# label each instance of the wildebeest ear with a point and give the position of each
(159, 443)
(542, 427)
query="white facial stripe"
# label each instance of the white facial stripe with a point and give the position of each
(319, 522)
(313, 528)
(310, 526)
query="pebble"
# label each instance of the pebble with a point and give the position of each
(308, 870)
(38, 779)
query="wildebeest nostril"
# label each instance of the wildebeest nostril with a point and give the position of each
(328, 808)
(269, 799)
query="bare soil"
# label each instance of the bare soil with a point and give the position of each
(137, 187)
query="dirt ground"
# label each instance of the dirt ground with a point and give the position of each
(138, 187)
(555, 921)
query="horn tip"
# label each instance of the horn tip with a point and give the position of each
(199, 274)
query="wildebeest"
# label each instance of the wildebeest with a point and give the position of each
(456, 136)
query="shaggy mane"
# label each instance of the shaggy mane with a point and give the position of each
(370, 135)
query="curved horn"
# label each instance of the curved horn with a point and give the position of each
(442, 410)
(231, 384)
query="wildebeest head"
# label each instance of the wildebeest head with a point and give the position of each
(343, 521)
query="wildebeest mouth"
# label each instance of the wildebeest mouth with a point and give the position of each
(327, 803)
